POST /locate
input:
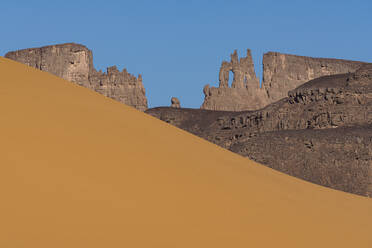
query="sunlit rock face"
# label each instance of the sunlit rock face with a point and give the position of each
(245, 92)
(74, 63)
(281, 73)
(284, 72)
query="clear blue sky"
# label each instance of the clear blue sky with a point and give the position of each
(178, 46)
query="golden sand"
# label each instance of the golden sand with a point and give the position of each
(80, 170)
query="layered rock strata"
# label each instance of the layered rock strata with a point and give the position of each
(74, 63)
(281, 73)
(331, 105)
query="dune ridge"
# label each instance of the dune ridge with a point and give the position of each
(81, 170)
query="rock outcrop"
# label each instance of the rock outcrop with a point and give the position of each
(323, 118)
(327, 102)
(175, 103)
(74, 63)
(339, 158)
(245, 92)
(284, 72)
(281, 73)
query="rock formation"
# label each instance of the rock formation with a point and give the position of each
(245, 92)
(74, 63)
(340, 158)
(175, 103)
(284, 72)
(320, 132)
(281, 73)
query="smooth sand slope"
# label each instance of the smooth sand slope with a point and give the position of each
(80, 170)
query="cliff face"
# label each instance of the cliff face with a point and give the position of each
(244, 93)
(281, 73)
(320, 132)
(121, 86)
(284, 72)
(74, 63)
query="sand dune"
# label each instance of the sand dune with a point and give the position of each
(80, 170)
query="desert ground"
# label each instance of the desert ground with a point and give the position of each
(81, 170)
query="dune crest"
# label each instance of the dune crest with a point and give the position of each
(81, 170)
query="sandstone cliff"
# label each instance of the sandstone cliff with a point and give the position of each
(74, 63)
(284, 72)
(328, 118)
(281, 73)
(245, 92)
